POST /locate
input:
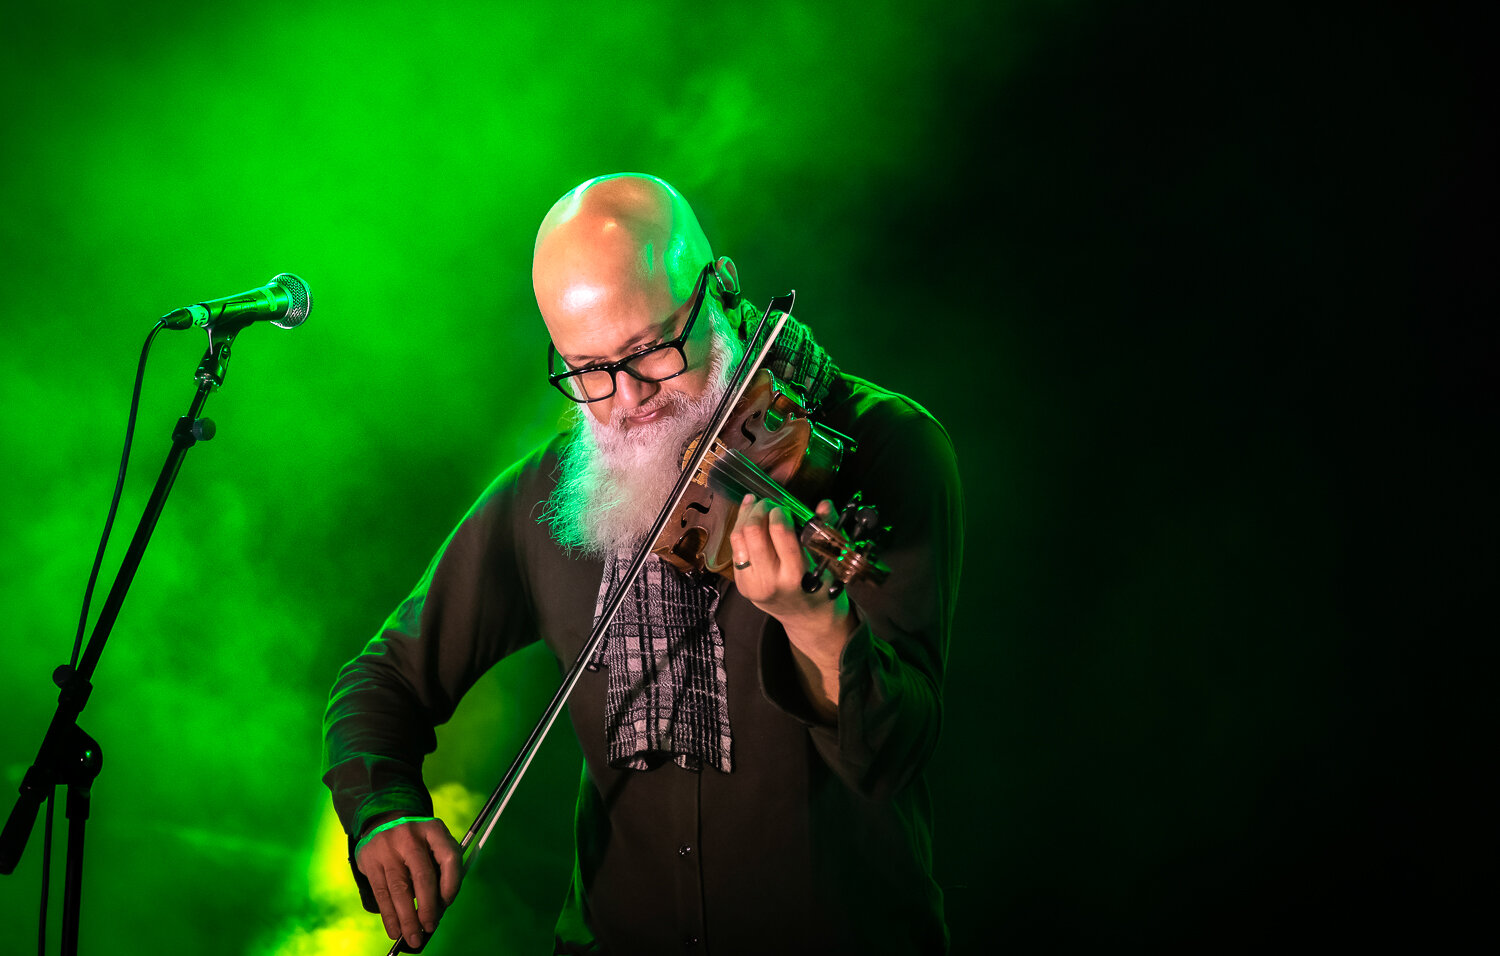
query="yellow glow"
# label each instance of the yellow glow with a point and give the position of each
(341, 924)
(357, 933)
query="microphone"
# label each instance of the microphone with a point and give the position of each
(285, 301)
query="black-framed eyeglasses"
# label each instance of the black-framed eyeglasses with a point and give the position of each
(658, 363)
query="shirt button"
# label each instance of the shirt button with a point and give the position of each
(684, 850)
(690, 941)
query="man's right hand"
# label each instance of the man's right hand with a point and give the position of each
(415, 860)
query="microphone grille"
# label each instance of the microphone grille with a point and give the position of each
(300, 301)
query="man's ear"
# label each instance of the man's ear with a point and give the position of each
(728, 280)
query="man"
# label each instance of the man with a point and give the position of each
(754, 752)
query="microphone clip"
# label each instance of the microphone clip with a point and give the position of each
(215, 362)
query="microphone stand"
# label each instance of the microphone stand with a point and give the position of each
(489, 814)
(68, 756)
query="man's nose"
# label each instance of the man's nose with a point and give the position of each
(631, 391)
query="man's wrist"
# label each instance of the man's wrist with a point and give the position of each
(389, 823)
(822, 633)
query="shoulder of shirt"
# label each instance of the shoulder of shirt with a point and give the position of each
(863, 400)
(533, 475)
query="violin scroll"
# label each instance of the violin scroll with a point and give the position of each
(846, 550)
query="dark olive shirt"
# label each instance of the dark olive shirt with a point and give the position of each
(819, 840)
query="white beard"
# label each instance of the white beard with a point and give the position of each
(612, 482)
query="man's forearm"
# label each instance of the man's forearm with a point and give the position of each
(817, 643)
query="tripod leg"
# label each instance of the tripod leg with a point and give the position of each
(78, 815)
(79, 781)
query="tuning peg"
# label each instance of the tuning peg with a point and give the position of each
(847, 513)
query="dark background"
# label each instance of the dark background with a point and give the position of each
(1217, 679)
(1204, 293)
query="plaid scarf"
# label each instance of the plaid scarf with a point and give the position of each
(796, 358)
(668, 695)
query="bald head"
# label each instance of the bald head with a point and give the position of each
(626, 234)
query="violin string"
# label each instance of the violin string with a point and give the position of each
(736, 473)
(737, 466)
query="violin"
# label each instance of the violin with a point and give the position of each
(771, 448)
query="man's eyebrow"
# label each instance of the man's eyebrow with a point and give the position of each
(634, 342)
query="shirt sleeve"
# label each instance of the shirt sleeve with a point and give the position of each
(468, 610)
(891, 671)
